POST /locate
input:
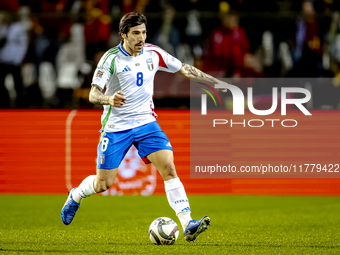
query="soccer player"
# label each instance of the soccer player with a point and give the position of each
(123, 83)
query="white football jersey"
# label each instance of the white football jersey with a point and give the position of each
(118, 70)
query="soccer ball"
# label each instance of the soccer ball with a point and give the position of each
(163, 230)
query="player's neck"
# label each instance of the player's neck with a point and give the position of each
(129, 50)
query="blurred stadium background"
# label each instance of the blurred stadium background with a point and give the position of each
(49, 50)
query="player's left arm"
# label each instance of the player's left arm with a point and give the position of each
(192, 72)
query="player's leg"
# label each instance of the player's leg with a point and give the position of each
(90, 185)
(93, 184)
(163, 160)
(154, 146)
(175, 192)
(111, 151)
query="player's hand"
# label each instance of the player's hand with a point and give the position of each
(117, 100)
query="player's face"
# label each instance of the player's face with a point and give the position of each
(134, 40)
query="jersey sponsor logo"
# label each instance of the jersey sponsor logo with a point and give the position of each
(137, 64)
(99, 74)
(149, 63)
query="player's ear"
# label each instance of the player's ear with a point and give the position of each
(124, 36)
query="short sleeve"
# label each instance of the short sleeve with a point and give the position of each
(103, 71)
(167, 62)
(172, 63)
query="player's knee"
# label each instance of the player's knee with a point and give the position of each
(169, 171)
(103, 185)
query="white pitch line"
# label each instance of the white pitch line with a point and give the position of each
(70, 117)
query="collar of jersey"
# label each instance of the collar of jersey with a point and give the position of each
(120, 47)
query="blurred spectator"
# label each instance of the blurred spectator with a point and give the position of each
(10, 6)
(193, 32)
(167, 37)
(266, 53)
(228, 46)
(229, 49)
(46, 44)
(276, 59)
(14, 45)
(33, 98)
(285, 58)
(333, 36)
(127, 6)
(47, 36)
(49, 6)
(308, 46)
(70, 59)
(141, 5)
(97, 27)
(263, 38)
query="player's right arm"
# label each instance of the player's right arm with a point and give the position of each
(105, 69)
(97, 97)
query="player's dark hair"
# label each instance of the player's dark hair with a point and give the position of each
(129, 20)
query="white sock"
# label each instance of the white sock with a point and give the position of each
(184, 218)
(178, 200)
(85, 189)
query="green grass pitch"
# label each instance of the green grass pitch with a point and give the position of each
(239, 225)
